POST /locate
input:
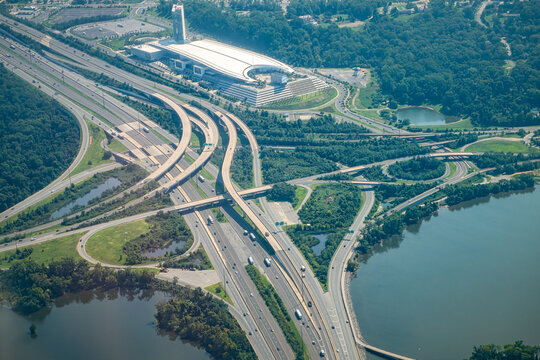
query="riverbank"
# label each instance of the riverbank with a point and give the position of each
(416, 295)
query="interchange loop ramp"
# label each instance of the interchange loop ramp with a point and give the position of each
(182, 145)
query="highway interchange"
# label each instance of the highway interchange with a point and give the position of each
(329, 325)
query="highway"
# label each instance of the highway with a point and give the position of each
(329, 324)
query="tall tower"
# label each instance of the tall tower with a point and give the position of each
(179, 25)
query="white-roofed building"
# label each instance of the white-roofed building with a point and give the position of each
(232, 61)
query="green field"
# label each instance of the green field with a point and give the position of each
(94, 154)
(500, 146)
(300, 193)
(304, 102)
(117, 146)
(106, 245)
(46, 252)
(219, 291)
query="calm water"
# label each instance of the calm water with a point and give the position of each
(466, 277)
(160, 252)
(84, 327)
(321, 245)
(110, 183)
(421, 116)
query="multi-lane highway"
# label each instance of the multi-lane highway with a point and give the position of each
(328, 323)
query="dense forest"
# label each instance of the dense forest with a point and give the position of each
(516, 351)
(421, 168)
(38, 139)
(439, 56)
(330, 210)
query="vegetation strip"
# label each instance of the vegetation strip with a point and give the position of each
(279, 311)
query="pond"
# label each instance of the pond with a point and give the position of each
(321, 245)
(421, 116)
(170, 248)
(93, 325)
(110, 183)
(466, 277)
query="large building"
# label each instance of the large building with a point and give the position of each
(238, 73)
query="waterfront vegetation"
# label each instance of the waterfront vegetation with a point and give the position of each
(189, 313)
(515, 351)
(156, 202)
(330, 210)
(41, 212)
(196, 260)
(394, 224)
(279, 311)
(507, 163)
(126, 244)
(422, 168)
(43, 253)
(38, 139)
(199, 317)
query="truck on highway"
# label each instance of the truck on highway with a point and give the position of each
(209, 220)
(250, 260)
(303, 268)
(145, 129)
(120, 137)
(298, 314)
(322, 353)
(252, 237)
(267, 262)
(201, 179)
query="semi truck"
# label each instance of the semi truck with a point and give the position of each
(209, 220)
(267, 262)
(250, 260)
(298, 314)
(145, 129)
(252, 236)
(201, 179)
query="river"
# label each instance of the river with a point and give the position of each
(466, 277)
(93, 325)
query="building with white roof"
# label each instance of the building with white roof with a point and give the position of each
(236, 72)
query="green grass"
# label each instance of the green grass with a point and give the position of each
(279, 311)
(117, 146)
(106, 245)
(94, 154)
(453, 169)
(163, 138)
(371, 114)
(304, 102)
(189, 159)
(206, 174)
(199, 190)
(48, 251)
(300, 193)
(219, 291)
(218, 214)
(500, 146)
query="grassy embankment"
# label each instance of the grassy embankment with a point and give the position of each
(219, 291)
(94, 154)
(304, 102)
(44, 253)
(106, 245)
(279, 311)
(500, 146)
